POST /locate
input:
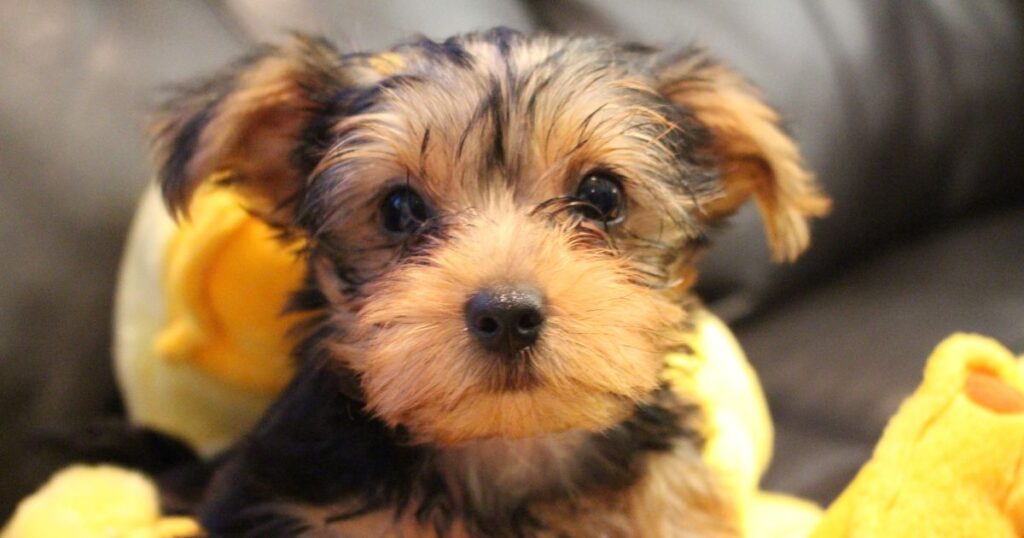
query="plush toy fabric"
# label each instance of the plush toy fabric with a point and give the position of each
(740, 431)
(200, 345)
(96, 502)
(951, 462)
(201, 351)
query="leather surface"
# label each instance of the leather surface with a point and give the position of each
(908, 111)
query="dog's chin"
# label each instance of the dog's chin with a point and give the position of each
(520, 414)
(445, 390)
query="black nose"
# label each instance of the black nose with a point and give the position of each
(506, 320)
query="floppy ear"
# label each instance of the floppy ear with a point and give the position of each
(254, 126)
(754, 155)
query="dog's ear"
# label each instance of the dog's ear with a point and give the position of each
(754, 155)
(255, 126)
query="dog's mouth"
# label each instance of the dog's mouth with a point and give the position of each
(517, 374)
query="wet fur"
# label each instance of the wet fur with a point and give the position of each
(397, 424)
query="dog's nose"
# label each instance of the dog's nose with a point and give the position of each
(506, 320)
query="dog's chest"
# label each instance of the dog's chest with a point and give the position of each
(583, 519)
(490, 488)
(676, 497)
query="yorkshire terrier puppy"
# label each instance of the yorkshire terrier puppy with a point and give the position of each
(500, 232)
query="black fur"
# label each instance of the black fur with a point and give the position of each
(503, 37)
(180, 475)
(498, 114)
(450, 50)
(183, 118)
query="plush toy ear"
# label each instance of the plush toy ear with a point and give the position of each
(755, 156)
(253, 126)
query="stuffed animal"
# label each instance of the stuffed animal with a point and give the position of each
(204, 360)
(950, 461)
(96, 502)
(201, 347)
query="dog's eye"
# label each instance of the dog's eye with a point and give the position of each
(603, 195)
(403, 210)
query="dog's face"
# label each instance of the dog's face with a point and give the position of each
(503, 226)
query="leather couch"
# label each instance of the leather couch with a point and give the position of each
(910, 113)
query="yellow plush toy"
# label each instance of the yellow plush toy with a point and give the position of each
(201, 347)
(201, 350)
(96, 502)
(951, 462)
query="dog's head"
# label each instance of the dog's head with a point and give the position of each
(503, 226)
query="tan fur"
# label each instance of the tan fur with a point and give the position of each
(250, 139)
(756, 156)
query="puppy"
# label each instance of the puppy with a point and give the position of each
(500, 232)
